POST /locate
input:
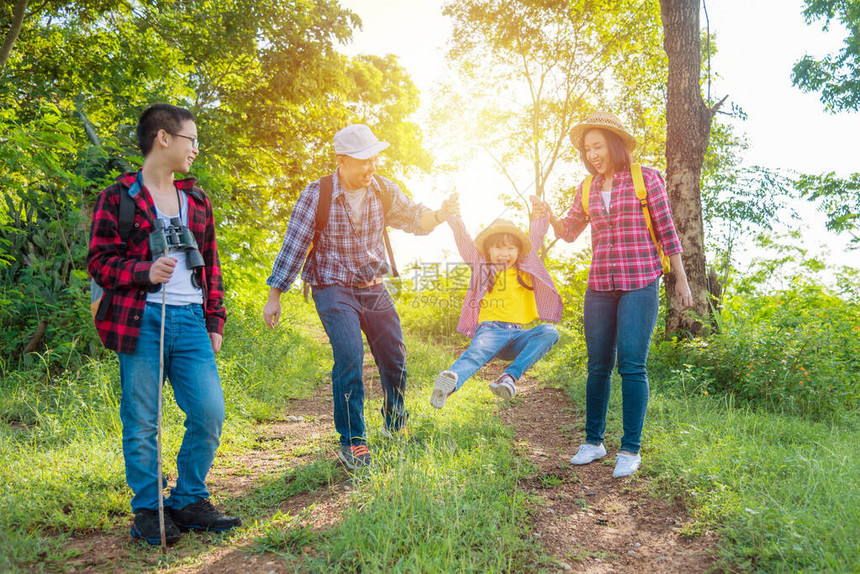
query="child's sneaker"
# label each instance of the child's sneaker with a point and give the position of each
(354, 456)
(504, 387)
(443, 386)
(588, 453)
(626, 464)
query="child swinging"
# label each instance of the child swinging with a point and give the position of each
(510, 287)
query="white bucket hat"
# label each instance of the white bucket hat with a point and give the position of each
(356, 140)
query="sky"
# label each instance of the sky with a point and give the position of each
(758, 43)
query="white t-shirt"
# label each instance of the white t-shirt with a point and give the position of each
(179, 290)
(356, 198)
(607, 198)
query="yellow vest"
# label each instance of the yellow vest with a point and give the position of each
(509, 302)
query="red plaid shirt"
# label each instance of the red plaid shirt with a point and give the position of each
(624, 257)
(127, 273)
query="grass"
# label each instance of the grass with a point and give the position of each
(455, 475)
(783, 492)
(60, 435)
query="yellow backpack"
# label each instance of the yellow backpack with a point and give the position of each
(642, 195)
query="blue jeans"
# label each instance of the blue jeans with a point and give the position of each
(507, 341)
(621, 321)
(189, 364)
(345, 312)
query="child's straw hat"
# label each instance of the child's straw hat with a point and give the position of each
(503, 226)
(603, 120)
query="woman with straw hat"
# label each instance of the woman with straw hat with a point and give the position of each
(621, 302)
(509, 287)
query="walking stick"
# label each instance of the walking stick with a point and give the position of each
(158, 423)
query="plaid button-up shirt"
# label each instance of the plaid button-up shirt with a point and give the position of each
(623, 255)
(126, 272)
(345, 255)
(548, 300)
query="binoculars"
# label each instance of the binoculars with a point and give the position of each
(177, 237)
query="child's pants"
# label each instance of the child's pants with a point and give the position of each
(506, 341)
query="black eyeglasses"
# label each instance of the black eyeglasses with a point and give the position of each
(194, 142)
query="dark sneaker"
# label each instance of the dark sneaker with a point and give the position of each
(146, 527)
(201, 515)
(354, 456)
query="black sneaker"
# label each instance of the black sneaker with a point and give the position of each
(146, 527)
(354, 456)
(201, 515)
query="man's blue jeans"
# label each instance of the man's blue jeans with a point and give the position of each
(345, 312)
(507, 341)
(621, 321)
(189, 364)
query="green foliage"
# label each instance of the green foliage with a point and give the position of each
(527, 71)
(267, 88)
(795, 351)
(838, 198)
(834, 75)
(43, 236)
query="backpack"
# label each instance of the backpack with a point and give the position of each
(642, 195)
(324, 207)
(100, 297)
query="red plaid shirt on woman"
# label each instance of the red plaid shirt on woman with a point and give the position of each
(624, 257)
(548, 300)
(126, 271)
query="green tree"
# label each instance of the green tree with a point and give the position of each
(835, 75)
(528, 70)
(263, 77)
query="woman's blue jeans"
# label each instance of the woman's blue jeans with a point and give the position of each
(189, 364)
(622, 323)
(507, 341)
(345, 312)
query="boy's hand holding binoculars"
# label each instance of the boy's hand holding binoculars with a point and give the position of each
(162, 269)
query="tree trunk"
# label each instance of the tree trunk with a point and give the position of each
(14, 30)
(688, 129)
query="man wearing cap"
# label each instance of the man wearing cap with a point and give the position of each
(345, 265)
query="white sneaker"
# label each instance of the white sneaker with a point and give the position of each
(588, 453)
(626, 464)
(504, 387)
(443, 386)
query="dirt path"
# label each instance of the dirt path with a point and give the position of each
(588, 521)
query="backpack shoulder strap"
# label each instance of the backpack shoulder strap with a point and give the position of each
(642, 195)
(323, 204)
(125, 221)
(586, 193)
(387, 199)
(385, 196)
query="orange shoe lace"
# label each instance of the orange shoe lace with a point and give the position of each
(359, 449)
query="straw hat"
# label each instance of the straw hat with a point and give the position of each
(603, 120)
(503, 226)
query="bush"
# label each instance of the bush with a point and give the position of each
(796, 351)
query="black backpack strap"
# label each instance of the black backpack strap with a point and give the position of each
(387, 199)
(126, 216)
(125, 223)
(323, 209)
